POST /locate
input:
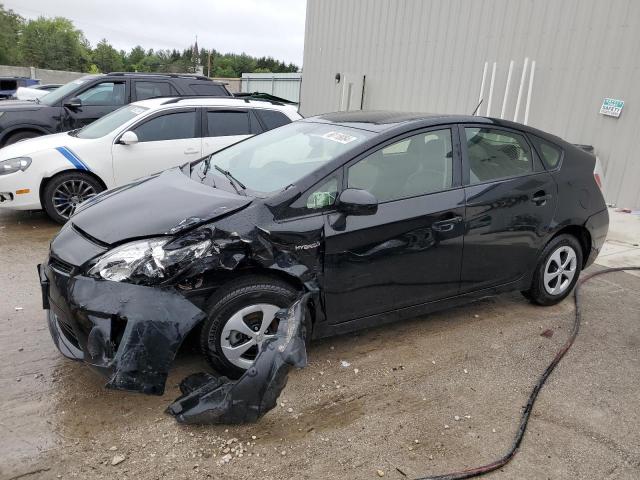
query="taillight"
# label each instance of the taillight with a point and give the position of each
(598, 179)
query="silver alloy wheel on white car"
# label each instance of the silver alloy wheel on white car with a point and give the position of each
(246, 330)
(560, 270)
(70, 194)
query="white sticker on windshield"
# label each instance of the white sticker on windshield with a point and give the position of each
(137, 110)
(339, 137)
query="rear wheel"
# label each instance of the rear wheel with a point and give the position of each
(65, 192)
(557, 271)
(241, 316)
(19, 136)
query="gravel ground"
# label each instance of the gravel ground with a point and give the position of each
(424, 396)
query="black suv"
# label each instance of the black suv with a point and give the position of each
(88, 98)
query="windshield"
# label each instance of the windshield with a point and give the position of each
(109, 123)
(58, 94)
(273, 160)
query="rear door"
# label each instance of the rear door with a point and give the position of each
(225, 126)
(97, 100)
(165, 140)
(510, 204)
(410, 251)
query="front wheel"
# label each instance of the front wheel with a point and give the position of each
(241, 316)
(557, 271)
(65, 192)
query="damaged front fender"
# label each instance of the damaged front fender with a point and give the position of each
(216, 399)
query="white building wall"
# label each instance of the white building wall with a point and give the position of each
(428, 55)
(283, 85)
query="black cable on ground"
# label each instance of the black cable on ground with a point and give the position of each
(476, 471)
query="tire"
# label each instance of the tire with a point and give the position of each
(64, 192)
(557, 271)
(19, 136)
(225, 310)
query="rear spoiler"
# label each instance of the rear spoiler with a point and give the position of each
(265, 97)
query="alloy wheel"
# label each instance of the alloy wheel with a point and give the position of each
(560, 270)
(69, 194)
(246, 330)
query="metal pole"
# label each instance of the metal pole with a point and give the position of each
(484, 76)
(526, 110)
(522, 77)
(493, 77)
(506, 90)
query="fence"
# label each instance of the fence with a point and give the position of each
(284, 85)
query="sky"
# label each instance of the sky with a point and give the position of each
(257, 27)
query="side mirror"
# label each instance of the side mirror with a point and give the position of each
(74, 102)
(128, 138)
(354, 201)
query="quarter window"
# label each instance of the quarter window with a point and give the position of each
(104, 94)
(173, 126)
(416, 165)
(209, 89)
(550, 153)
(223, 123)
(495, 154)
(272, 119)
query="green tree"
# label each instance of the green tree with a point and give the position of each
(54, 43)
(107, 58)
(10, 26)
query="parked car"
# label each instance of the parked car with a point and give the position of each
(86, 99)
(57, 172)
(36, 91)
(380, 216)
(9, 85)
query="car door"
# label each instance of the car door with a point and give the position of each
(165, 139)
(510, 203)
(410, 251)
(225, 126)
(96, 100)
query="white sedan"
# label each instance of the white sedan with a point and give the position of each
(57, 172)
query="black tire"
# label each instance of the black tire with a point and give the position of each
(238, 294)
(539, 292)
(19, 136)
(53, 208)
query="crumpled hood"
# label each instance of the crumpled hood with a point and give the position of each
(161, 204)
(31, 146)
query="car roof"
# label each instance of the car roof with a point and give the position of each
(202, 101)
(382, 120)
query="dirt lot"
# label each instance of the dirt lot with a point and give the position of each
(393, 409)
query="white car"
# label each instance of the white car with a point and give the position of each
(57, 172)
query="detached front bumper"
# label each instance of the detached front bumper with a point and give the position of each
(130, 333)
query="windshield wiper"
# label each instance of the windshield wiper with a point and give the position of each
(233, 180)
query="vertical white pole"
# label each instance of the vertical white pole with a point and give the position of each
(493, 77)
(506, 90)
(526, 110)
(484, 76)
(522, 77)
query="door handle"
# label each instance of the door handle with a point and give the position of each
(191, 151)
(540, 198)
(446, 225)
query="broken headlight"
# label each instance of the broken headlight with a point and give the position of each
(147, 261)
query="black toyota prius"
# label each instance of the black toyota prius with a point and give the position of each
(381, 216)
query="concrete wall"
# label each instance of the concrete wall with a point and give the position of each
(283, 85)
(429, 55)
(42, 74)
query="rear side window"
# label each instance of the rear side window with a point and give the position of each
(146, 90)
(494, 154)
(272, 119)
(223, 123)
(173, 126)
(209, 89)
(550, 154)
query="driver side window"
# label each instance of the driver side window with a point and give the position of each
(413, 166)
(104, 94)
